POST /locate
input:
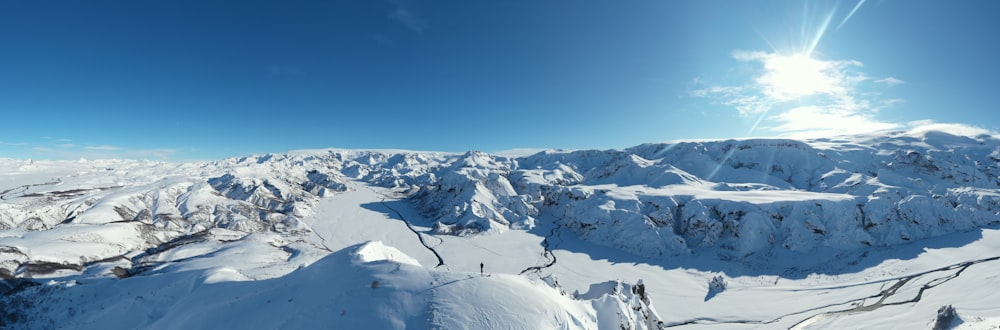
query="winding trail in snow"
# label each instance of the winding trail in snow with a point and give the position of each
(415, 232)
(548, 252)
(3, 194)
(958, 269)
(953, 271)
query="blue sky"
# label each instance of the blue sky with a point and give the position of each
(183, 80)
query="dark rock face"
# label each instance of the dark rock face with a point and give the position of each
(946, 317)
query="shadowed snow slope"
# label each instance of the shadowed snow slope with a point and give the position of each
(367, 286)
(738, 196)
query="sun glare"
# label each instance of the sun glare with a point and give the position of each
(795, 91)
(790, 77)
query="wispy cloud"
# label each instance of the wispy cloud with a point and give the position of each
(891, 81)
(103, 148)
(408, 19)
(51, 149)
(62, 148)
(738, 97)
(814, 121)
(800, 95)
(58, 152)
(161, 154)
(923, 126)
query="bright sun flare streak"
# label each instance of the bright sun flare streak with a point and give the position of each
(819, 33)
(848, 17)
(757, 123)
(801, 91)
(718, 166)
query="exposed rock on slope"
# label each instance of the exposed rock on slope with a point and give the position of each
(736, 197)
(238, 220)
(368, 285)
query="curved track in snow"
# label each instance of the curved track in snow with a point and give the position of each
(925, 283)
(548, 252)
(3, 194)
(415, 232)
(930, 283)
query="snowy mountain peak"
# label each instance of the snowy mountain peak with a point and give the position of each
(732, 201)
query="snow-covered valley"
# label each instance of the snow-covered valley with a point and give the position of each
(867, 231)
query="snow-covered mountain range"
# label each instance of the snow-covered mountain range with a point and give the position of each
(659, 235)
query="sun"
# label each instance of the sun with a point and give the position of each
(789, 77)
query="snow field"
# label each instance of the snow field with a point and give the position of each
(874, 231)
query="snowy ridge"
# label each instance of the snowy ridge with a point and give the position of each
(368, 285)
(473, 195)
(228, 227)
(745, 196)
(738, 197)
(170, 201)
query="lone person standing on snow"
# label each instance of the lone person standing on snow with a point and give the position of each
(480, 269)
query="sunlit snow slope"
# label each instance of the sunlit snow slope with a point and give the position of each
(841, 232)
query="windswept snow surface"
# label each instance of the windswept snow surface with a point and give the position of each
(366, 286)
(870, 231)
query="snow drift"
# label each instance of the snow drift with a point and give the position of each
(369, 285)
